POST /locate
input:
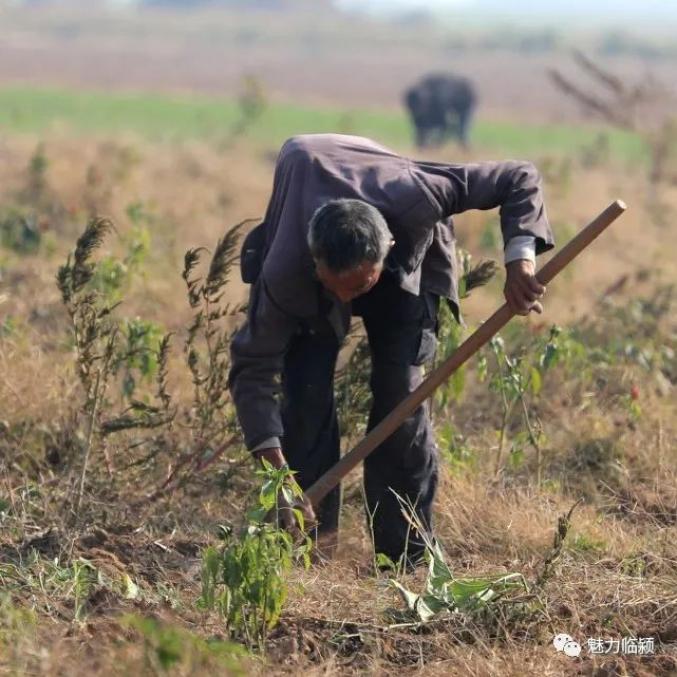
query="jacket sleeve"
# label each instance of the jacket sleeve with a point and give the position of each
(514, 186)
(257, 353)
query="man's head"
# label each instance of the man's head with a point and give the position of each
(349, 240)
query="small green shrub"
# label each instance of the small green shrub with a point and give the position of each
(245, 579)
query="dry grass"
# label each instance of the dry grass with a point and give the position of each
(616, 575)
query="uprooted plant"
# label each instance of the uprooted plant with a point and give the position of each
(444, 594)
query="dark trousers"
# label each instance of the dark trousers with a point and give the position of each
(401, 332)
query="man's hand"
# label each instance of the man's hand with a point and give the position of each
(288, 519)
(276, 458)
(522, 290)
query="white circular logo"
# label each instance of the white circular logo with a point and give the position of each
(572, 649)
(560, 641)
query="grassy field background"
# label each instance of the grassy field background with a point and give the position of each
(166, 118)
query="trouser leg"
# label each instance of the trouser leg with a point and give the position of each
(311, 442)
(401, 331)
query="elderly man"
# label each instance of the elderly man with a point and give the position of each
(353, 228)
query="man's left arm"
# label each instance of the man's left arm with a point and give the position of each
(516, 188)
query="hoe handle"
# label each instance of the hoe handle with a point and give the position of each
(465, 351)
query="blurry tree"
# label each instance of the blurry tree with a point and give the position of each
(643, 106)
(251, 104)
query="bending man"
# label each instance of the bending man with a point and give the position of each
(352, 228)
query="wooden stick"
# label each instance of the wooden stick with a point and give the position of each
(464, 352)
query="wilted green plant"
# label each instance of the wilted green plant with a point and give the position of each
(443, 593)
(245, 579)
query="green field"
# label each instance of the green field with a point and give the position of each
(168, 118)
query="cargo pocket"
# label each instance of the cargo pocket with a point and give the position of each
(426, 348)
(428, 343)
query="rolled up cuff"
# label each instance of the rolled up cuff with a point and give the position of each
(520, 247)
(270, 443)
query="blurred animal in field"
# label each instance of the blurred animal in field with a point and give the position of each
(441, 107)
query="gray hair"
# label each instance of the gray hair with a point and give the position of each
(345, 233)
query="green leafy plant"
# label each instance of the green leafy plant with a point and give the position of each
(454, 448)
(511, 380)
(140, 354)
(245, 578)
(112, 275)
(450, 332)
(518, 381)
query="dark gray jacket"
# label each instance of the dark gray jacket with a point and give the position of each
(417, 200)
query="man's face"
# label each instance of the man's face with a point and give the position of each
(349, 284)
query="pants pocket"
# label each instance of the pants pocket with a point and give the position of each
(428, 342)
(426, 348)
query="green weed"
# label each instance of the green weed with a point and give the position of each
(135, 353)
(245, 579)
(52, 586)
(168, 648)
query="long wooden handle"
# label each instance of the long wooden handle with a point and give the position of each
(465, 351)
